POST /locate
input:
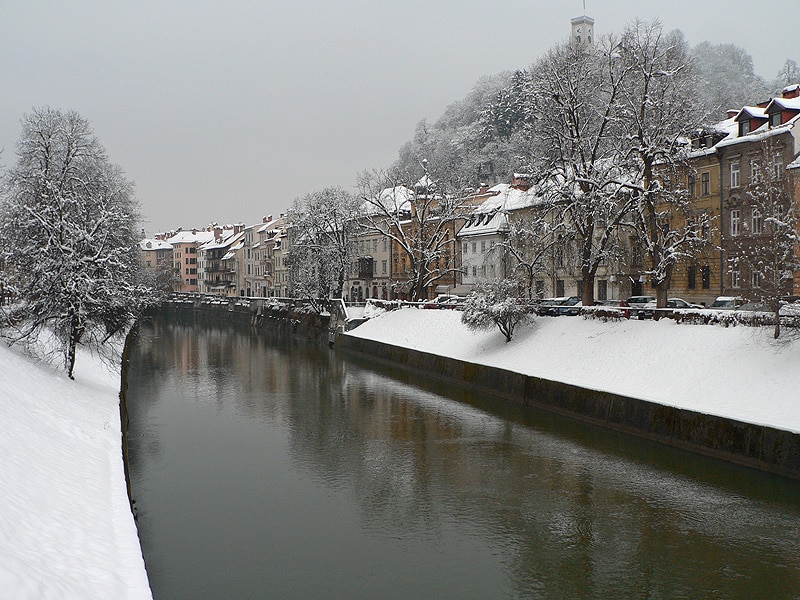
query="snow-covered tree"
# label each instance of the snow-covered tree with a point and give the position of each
(68, 238)
(529, 248)
(496, 304)
(767, 250)
(420, 218)
(657, 109)
(726, 79)
(576, 91)
(324, 224)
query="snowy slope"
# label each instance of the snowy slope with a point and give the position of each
(735, 372)
(66, 530)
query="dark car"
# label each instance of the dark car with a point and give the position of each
(444, 301)
(565, 305)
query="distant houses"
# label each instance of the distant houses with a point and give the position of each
(754, 146)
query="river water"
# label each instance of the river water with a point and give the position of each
(274, 468)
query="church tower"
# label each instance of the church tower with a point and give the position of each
(582, 30)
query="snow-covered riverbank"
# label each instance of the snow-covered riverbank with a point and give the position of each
(735, 372)
(66, 530)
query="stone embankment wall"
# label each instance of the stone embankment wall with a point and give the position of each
(755, 446)
(287, 316)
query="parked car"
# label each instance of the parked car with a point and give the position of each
(444, 301)
(564, 305)
(727, 302)
(638, 302)
(649, 309)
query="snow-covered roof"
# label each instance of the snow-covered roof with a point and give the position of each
(187, 237)
(762, 133)
(753, 112)
(232, 252)
(149, 244)
(228, 237)
(394, 199)
(508, 197)
(492, 214)
(785, 103)
(795, 164)
(485, 223)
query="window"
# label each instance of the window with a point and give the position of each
(755, 170)
(735, 222)
(465, 248)
(735, 173)
(692, 190)
(483, 246)
(637, 257)
(539, 288)
(559, 256)
(757, 221)
(755, 279)
(705, 273)
(744, 127)
(705, 184)
(383, 267)
(692, 277)
(775, 119)
(735, 278)
(474, 271)
(602, 289)
(777, 166)
(559, 287)
(474, 247)
(384, 244)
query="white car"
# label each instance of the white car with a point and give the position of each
(727, 302)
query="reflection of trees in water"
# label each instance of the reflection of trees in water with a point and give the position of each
(569, 518)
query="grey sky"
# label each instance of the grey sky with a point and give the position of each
(227, 111)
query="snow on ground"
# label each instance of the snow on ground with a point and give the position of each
(66, 529)
(739, 372)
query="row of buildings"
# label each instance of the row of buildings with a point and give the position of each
(759, 143)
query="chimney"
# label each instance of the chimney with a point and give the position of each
(218, 233)
(791, 91)
(194, 231)
(731, 112)
(521, 181)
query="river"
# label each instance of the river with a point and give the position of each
(270, 467)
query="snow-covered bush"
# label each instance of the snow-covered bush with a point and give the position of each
(496, 303)
(603, 313)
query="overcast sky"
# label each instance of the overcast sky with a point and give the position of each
(227, 111)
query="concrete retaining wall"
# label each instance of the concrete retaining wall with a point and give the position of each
(764, 448)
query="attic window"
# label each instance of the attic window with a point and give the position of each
(775, 119)
(744, 127)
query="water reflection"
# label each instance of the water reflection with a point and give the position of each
(272, 468)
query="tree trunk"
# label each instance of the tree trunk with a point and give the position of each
(777, 331)
(587, 293)
(662, 289)
(76, 329)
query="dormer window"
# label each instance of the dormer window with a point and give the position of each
(744, 127)
(775, 119)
